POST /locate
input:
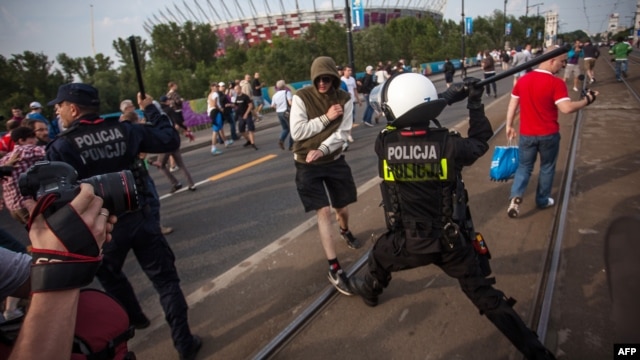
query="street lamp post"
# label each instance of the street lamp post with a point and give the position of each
(504, 25)
(349, 36)
(463, 31)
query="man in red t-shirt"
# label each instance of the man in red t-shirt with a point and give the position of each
(6, 144)
(539, 128)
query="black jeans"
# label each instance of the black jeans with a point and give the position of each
(493, 84)
(139, 231)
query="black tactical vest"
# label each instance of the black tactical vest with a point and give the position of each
(419, 167)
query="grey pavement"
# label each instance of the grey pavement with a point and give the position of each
(423, 314)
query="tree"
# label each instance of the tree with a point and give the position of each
(184, 46)
(33, 80)
(329, 40)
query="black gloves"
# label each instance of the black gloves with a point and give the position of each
(475, 93)
(459, 91)
(590, 95)
(456, 92)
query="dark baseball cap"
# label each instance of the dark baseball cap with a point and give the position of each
(77, 93)
(339, 68)
(163, 98)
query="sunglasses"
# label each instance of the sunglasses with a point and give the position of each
(325, 79)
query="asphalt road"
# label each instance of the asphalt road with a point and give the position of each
(245, 200)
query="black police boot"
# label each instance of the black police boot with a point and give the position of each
(368, 288)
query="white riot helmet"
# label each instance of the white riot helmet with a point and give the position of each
(407, 99)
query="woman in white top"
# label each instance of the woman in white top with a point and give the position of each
(214, 109)
(381, 74)
(281, 101)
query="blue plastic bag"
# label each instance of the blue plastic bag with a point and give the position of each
(504, 163)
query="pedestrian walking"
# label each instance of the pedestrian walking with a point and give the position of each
(539, 128)
(246, 125)
(281, 102)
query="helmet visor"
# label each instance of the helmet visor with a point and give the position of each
(375, 98)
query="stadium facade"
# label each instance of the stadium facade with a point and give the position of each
(246, 23)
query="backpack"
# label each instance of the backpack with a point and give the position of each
(102, 329)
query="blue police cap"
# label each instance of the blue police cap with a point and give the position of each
(77, 93)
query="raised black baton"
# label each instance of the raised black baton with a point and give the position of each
(136, 64)
(529, 64)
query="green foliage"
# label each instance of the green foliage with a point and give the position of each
(186, 54)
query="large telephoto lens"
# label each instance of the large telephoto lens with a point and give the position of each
(118, 190)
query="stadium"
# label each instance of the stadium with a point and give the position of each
(250, 21)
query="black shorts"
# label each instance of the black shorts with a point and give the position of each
(243, 124)
(321, 185)
(448, 78)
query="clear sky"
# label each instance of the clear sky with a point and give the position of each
(53, 27)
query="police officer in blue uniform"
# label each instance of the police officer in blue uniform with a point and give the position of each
(94, 146)
(424, 199)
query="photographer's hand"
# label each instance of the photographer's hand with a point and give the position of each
(89, 207)
(51, 332)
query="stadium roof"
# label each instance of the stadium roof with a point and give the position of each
(225, 12)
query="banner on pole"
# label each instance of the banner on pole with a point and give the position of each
(468, 26)
(507, 29)
(528, 32)
(357, 13)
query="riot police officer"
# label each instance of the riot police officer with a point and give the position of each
(424, 199)
(94, 146)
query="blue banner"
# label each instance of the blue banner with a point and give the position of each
(507, 29)
(539, 35)
(468, 26)
(357, 13)
(528, 32)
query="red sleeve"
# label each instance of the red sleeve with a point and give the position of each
(559, 90)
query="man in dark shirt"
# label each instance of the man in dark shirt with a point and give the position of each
(244, 106)
(258, 100)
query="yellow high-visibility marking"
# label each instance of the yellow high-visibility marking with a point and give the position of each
(242, 167)
(388, 174)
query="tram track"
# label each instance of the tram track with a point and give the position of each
(541, 310)
(545, 287)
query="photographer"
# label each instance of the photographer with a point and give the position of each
(95, 146)
(425, 201)
(46, 333)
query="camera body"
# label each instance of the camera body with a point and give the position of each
(5, 171)
(118, 190)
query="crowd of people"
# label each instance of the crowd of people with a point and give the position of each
(316, 126)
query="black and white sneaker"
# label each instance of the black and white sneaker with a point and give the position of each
(340, 281)
(351, 240)
(514, 207)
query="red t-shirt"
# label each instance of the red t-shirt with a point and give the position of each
(539, 92)
(6, 144)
